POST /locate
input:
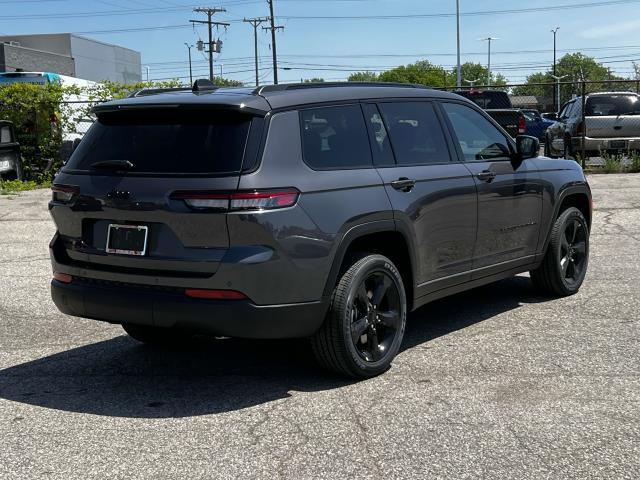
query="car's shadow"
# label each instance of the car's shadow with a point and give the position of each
(122, 378)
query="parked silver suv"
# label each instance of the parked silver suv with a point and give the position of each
(611, 124)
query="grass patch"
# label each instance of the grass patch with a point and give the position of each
(634, 165)
(12, 187)
(612, 163)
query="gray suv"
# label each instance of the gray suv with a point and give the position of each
(326, 211)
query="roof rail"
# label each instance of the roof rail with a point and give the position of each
(145, 92)
(300, 86)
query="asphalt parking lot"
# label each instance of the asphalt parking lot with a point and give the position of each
(494, 383)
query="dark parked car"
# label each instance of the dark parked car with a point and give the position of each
(10, 164)
(498, 105)
(326, 211)
(536, 124)
(610, 124)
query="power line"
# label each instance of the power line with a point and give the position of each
(255, 23)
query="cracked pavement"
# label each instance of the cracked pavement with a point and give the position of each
(497, 382)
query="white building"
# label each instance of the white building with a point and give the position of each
(62, 52)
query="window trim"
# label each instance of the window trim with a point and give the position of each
(334, 105)
(456, 141)
(386, 126)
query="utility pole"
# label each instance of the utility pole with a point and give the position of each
(554, 31)
(488, 39)
(255, 23)
(210, 13)
(189, 47)
(273, 28)
(459, 68)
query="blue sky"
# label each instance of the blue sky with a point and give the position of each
(331, 48)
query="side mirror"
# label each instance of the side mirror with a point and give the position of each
(527, 147)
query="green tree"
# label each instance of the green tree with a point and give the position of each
(422, 72)
(363, 77)
(575, 67)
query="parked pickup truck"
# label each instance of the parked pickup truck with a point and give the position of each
(498, 105)
(611, 124)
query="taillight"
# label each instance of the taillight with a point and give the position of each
(522, 125)
(62, 277)
(580, 128)
(252, 200)
(214, 294)
(64, 193)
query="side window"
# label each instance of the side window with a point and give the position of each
(378, 135)
(415, 132)
(479, 139)
(335, 138)
(564, 113)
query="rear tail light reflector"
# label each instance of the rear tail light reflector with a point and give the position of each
(215, 294)
(580, 128)
(62, 277)
(522, 125)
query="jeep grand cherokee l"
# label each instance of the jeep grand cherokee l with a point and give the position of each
(325, 211)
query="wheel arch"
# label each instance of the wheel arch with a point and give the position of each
(380, 237)
(578, 196)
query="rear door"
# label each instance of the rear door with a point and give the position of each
(509, 191)
(434, 199)
(182, 163)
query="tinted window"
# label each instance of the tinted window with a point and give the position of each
(164, 141)
(335, 138)
(415, 132)
(487, 100)
(612, 105)
(381, 146)
(565, 110)
(479, 139)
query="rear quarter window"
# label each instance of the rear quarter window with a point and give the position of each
(335, 138)
(166, 141)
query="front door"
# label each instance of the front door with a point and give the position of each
(509, 191)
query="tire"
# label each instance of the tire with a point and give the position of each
(568, 154)
(363, 330)
(155, 335)
(565, 263)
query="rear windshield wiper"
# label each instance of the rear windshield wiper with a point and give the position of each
(113, 165)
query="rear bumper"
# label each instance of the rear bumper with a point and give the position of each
(166, 308)
(609, 145)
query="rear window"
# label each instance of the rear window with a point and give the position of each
(335, 138)
(166, 141)
(488, 100)
(603, 105)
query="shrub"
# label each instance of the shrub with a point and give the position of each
(612, 163)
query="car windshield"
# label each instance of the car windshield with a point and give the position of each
(165, 141)
(531, 115)
(603, 105)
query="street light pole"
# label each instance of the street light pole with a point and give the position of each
(459, 68)
(147, 69)
(190, 69)
(554, 31)
(488, 40)
(558, 89)
(472, 82)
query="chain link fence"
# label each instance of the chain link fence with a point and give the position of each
(595, 123)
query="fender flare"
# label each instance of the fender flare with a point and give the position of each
(358, 231)
(581, 189)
